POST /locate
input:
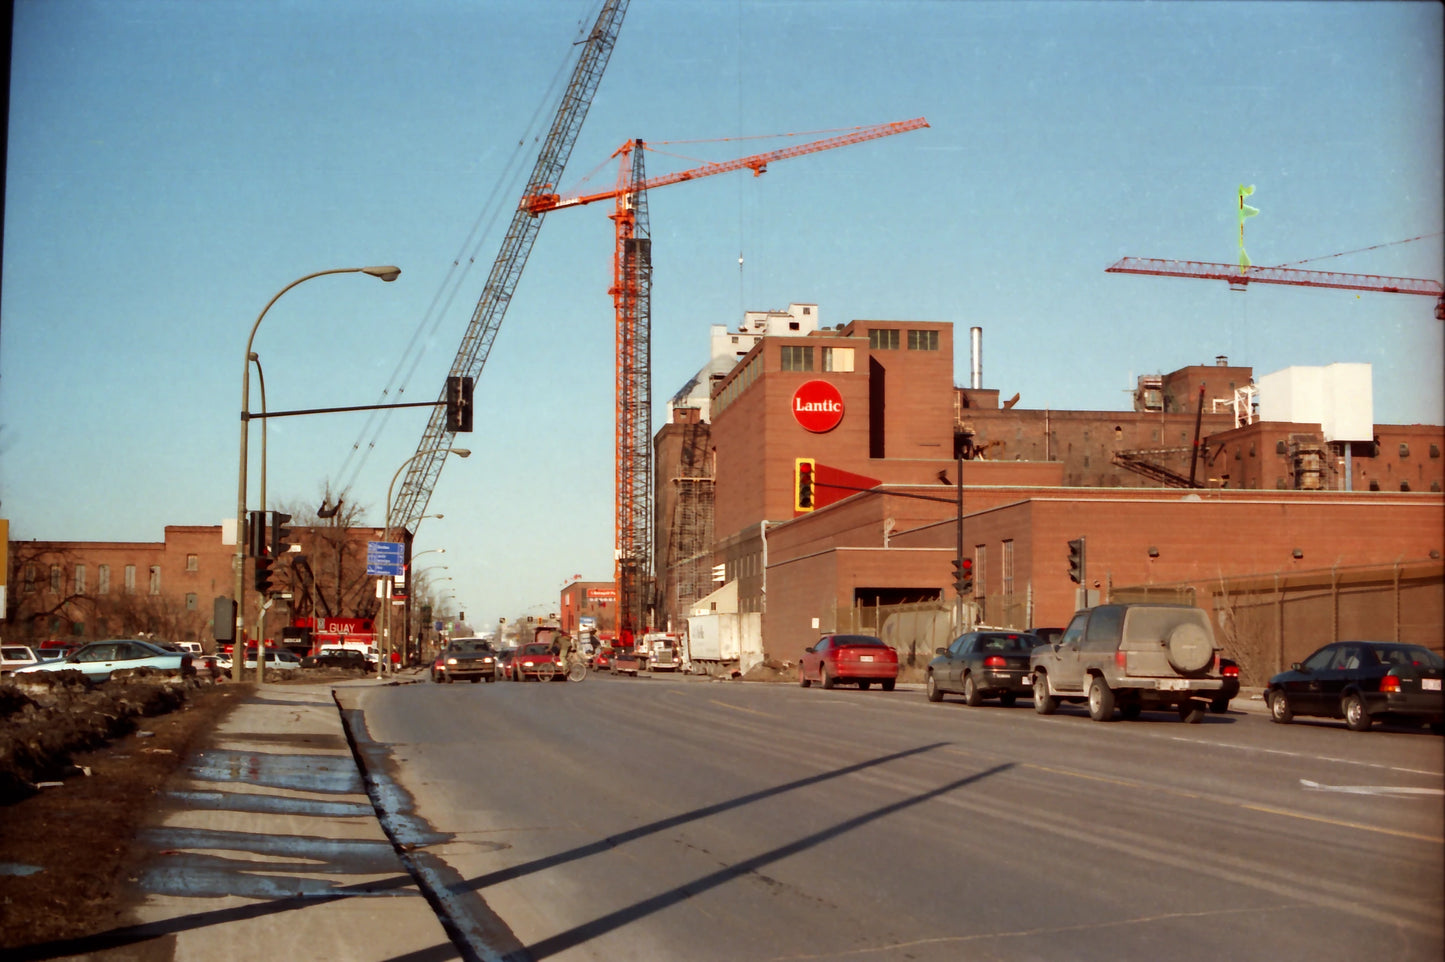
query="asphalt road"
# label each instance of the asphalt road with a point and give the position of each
(674, 818)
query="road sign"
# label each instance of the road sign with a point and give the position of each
(385, 558)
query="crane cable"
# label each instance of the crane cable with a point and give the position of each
(409, 360)
(1361, 250)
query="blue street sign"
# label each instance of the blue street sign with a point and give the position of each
(385, 558)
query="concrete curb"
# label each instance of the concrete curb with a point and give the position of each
(271, 847)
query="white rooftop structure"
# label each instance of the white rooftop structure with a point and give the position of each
(728, 347)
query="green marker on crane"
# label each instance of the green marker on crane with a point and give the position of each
(1244, 211)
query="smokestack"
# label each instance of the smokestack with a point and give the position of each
(975, 336)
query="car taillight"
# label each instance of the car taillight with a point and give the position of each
(1121, 659)
(994, 661)
(1231, 671)
(1389, 684)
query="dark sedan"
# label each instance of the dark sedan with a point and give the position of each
(337, 658)
(983, 664)
(1361, 682)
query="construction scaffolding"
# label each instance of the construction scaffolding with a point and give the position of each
(690, 533)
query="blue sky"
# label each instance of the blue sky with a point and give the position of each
(172, 165)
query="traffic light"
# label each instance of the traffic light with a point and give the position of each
(963, 575)
(263, 573)
(459, 404)
(1076, 561)
(256, 533)
(279, 533)
(803, 484)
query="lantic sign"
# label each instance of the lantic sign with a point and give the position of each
(818, 406)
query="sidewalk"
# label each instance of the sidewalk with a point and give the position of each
(270, 849)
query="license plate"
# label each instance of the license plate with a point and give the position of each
(870, 658)
(1173, 684)
(1430, 684)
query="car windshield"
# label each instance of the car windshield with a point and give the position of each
(857, 641)
(1409, 655)
(1008, 642)
(536, 649)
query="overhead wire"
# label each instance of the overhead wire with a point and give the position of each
(1372, 247)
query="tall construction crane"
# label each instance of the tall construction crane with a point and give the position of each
(426, 465)
(631, 299)
(1240, 278)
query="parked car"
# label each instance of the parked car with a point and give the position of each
(275, 659)
(1047, 636)
(983, 664)
(470, 659)
(1229, 671)
(854, 659)
(344, 658)
(16, 656)
(99, 658)
(532, 660)
(1133, 656)
(1362, 681)
(504, 661)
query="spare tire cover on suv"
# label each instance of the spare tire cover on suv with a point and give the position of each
(1190, 648)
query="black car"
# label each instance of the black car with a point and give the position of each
(1229, 668)
(1361, 681)
(983, 664)
(336, 658)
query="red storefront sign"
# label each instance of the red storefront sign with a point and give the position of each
(818, 406)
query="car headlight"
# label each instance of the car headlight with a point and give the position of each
(451, 661)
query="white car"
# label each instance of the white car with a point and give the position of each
(99, 658)
(16, 656)
(278, 660)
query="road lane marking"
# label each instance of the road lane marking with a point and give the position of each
(750, 711)
(1369, 789)
(1306, 755)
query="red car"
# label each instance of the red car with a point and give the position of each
(602, 659)
(860, 659)
(534, 661)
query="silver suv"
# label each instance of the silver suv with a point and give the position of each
(1131, 657)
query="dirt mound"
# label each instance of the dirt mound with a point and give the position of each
(47, 719)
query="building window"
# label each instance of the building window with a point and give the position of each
(1404, 485)
(1008, 568)
(193, 562)
(794, 326)
(29, 579)
(838, 359)
(980, 564)
(80, 579)
(55, 579)
(1434, 450)
(102, 579)
(883, 339)
(191, 601)
(130, 579)
(922, 340)
(155, 579)
(796, 357)
(1404, 450)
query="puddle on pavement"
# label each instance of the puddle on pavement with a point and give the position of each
(17, 868)
(329, 774)
(271, 804)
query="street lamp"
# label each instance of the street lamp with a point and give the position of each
(238, 642)
(386, 535)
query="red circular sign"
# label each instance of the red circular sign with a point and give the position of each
(818, 406)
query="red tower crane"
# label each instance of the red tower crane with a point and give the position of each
(1240, 278)
(631, 298)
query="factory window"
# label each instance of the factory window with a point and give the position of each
(191, 601)
(922, 340)
(838, 359)
(1008, 568)
(1434, 450)
(797, 358)
(1404, 450)
(80, 579)
(793, 326)
(29, 579)
(1279, 447)
(193, 562)
(55, 579)
(883, 339)
(155, 579)
(980, 564)
(102, 579)
(1404, 485)
(1374, 485)
(130, 579)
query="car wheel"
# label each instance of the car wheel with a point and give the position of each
(1044, 703)
(476, 678)
(1008, 699)
(1437, 728)
(863, 685)
(491, 678)
(1191, 712)
(972, 697)
(1279, 710)
(450, 680)
(930, 685)
(1356, 718)
(888, 683)
(828, 680)
(1101, 700)
(1130, 711)
(803, 680)
(1219, 706)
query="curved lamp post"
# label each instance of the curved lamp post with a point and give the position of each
(385, 659)
(238, 643)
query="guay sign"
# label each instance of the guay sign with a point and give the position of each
(818, 406)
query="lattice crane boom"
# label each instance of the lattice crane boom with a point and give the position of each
(1281, 275)
(425, 467)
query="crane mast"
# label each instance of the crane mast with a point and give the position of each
(426, 465)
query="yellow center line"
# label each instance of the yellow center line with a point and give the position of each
(750, 711)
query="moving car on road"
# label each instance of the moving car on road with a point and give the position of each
(852, 659)
(276, 660)
(1361, 681)
(1132, 656)
(534, 660)
(983, 664)
(468, 659)
(99, 658)
(345, 658)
